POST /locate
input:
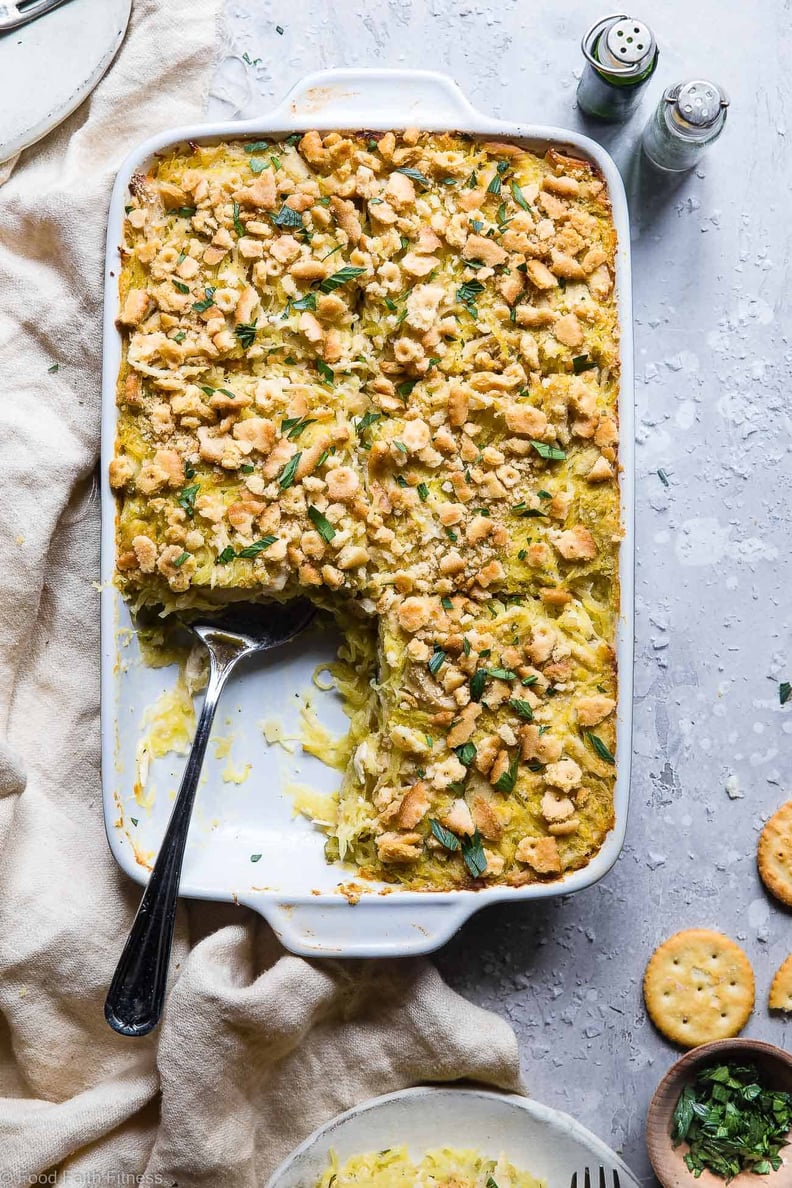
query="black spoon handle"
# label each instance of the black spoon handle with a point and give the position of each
(137, 992)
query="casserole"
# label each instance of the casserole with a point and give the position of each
(292, 882)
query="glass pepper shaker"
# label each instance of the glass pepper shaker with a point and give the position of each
(621, 56)
(689, 118)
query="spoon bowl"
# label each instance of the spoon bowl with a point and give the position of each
(260, 626)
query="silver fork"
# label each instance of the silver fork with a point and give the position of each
(601, 1174)
(137, 992)
(16, 13)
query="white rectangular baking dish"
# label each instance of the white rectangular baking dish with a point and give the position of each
(245, 844)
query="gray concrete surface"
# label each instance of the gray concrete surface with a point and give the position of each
(711, 262)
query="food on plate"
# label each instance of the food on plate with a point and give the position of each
(382, 370)
(732, 1121)
(780, 998)
(393, 1168)
(698, 987)
(774, 854)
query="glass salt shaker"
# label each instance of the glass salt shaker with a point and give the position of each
(621, 56)
(689, 118)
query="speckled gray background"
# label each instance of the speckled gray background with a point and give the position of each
(711, 265)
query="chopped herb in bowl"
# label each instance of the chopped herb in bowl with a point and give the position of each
(731, 1122)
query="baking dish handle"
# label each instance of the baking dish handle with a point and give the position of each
(397, 98)
(331, 927)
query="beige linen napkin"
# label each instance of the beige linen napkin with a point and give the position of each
(256, 1047)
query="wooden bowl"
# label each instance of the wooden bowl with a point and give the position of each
(775, 1067)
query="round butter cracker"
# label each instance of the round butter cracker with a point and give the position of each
(780, 998)
(774, 854)
(699, 986)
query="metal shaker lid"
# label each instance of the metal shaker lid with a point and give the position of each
(699, 103)
(620, 45)
(629, 41)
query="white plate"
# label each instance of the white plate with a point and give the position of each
(48, 67)
(544, 1142)
(291, 885)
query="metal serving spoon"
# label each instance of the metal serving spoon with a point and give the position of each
(137, 991)
(16, 13)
